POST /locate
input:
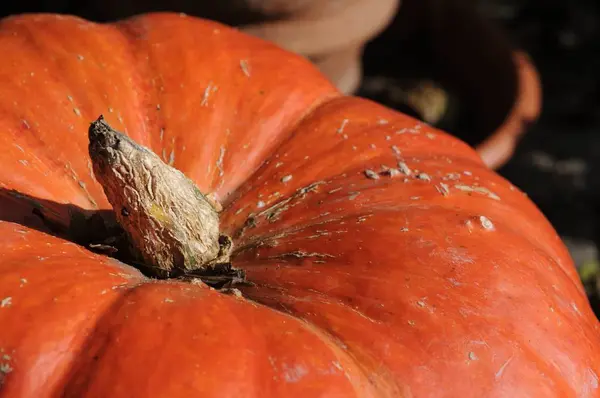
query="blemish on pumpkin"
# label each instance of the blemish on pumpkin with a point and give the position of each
(472, 356)
(423, 176)
(301, 254)
(80, 57)
(23, 282)
(23, 162)
(411, 322)
(362, 219)
(469, 225)
(76, 111)
(373, 146)
(168, 300)
(337, 365)
(245, 67)
(486, 223)
(25, 124)
(220, 161)
(389, 172)
(353, 195)
(371, 174)
(211, 88)
(5, 369)
(474, 188)
(500, 371)
(451, 176)
(382, 122)
(272, 213)
(6, 302)
(69, 98)
(278, 164)
(404, 169)
(260, 204)
(286, 178)
(321, 233)
(340, 129)
(172, 157)
(293, 374)
(443, 189)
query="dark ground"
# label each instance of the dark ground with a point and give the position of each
(559, 159)
(558, 162)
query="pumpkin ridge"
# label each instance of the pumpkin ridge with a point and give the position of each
(114, 328)
(205, 118)
(143, 82)
(231, 199)
(73, 379)
(434, 200)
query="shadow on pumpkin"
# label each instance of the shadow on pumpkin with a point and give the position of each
(95, 230)
(99, 232)
(64, 220)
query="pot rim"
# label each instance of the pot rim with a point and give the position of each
(499, 147)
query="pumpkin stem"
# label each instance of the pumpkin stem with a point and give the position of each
(172, 227)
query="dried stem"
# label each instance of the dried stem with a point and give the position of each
(172, 226)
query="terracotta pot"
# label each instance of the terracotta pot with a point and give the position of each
(331, 33)
(492, 91)
(500, 146)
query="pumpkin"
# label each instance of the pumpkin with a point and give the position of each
(375, 255)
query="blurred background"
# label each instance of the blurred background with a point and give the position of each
(474, 68)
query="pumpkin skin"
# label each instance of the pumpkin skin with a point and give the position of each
(362, 287)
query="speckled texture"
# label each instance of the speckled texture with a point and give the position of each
(558, 160)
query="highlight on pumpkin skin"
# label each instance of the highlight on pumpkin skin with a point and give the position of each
(172, 226)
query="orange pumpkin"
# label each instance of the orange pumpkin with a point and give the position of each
(385, 259)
